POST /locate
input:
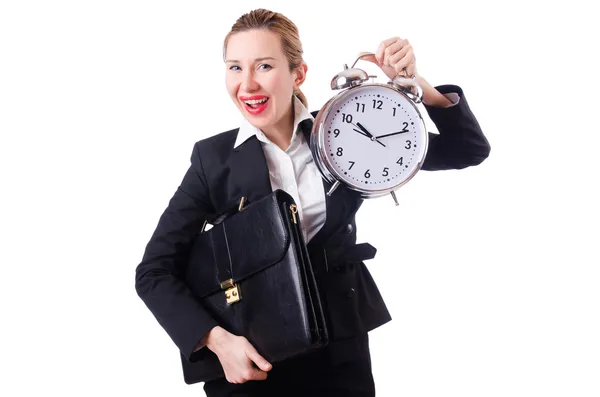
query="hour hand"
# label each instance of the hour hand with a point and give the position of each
(359, 125)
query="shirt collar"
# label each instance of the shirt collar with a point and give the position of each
(247, 130)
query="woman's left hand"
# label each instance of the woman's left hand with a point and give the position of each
(393, 56)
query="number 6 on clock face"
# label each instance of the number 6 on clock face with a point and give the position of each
(371, 137)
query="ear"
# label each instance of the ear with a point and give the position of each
(299, 75)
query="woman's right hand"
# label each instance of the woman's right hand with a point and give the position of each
(237, 356)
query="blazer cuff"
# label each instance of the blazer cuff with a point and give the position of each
(191, 353)
(453, 97)
(459, 105)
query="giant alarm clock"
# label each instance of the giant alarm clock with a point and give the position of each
(370, 136)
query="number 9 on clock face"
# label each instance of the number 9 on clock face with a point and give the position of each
(372, 138)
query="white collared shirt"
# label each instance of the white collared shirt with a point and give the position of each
(294, 171)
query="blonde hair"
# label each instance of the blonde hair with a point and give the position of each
(276, 23)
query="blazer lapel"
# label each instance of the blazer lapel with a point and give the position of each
(249, 175)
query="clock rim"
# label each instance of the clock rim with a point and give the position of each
(317, 143)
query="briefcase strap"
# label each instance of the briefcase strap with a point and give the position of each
(328, 259)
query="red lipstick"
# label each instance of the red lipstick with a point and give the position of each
(257, 108)
(248, 98)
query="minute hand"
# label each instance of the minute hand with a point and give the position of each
(393, 133)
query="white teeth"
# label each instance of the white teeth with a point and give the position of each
(256, 101)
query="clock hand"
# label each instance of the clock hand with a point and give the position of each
(393, 133)
(361, 133)
(367, 133)
(370, 137)
(375, 139)
(359, 125)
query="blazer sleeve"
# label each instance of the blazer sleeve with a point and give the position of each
(460, 142)
(158, 276)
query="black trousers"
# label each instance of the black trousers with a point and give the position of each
(341, 369)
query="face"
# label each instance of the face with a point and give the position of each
(258, 77)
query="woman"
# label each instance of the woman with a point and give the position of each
(264, 72)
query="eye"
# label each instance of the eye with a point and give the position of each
(267, 66)
(233, 67)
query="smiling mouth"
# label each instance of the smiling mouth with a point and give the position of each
(255, 105)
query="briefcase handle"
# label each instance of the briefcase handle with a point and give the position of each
(224, 215)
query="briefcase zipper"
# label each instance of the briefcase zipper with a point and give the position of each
(294, 210)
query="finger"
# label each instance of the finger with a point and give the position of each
(248, 374)
(399, 54)
(411, 69)
(391, 50)
(379, 53)
(258, 375)
(257, 358)
(370, 58)
(382, 46)
(404, 62)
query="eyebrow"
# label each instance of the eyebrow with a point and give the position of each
(256, 60)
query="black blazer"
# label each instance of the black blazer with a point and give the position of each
(220, 175)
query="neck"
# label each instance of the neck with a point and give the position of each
(281, 132)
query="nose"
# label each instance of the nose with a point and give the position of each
(249, 83)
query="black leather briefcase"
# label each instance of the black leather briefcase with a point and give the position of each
(252, 272)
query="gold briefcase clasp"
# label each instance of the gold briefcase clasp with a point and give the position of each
(232, 291)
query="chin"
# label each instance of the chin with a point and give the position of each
(260, 124)
(258, 121)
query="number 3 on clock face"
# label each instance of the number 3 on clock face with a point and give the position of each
(374, 138)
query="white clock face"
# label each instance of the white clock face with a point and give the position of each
(374, 138)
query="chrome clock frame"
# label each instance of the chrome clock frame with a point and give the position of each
(317, 140)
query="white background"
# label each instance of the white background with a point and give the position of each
(491, 273)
